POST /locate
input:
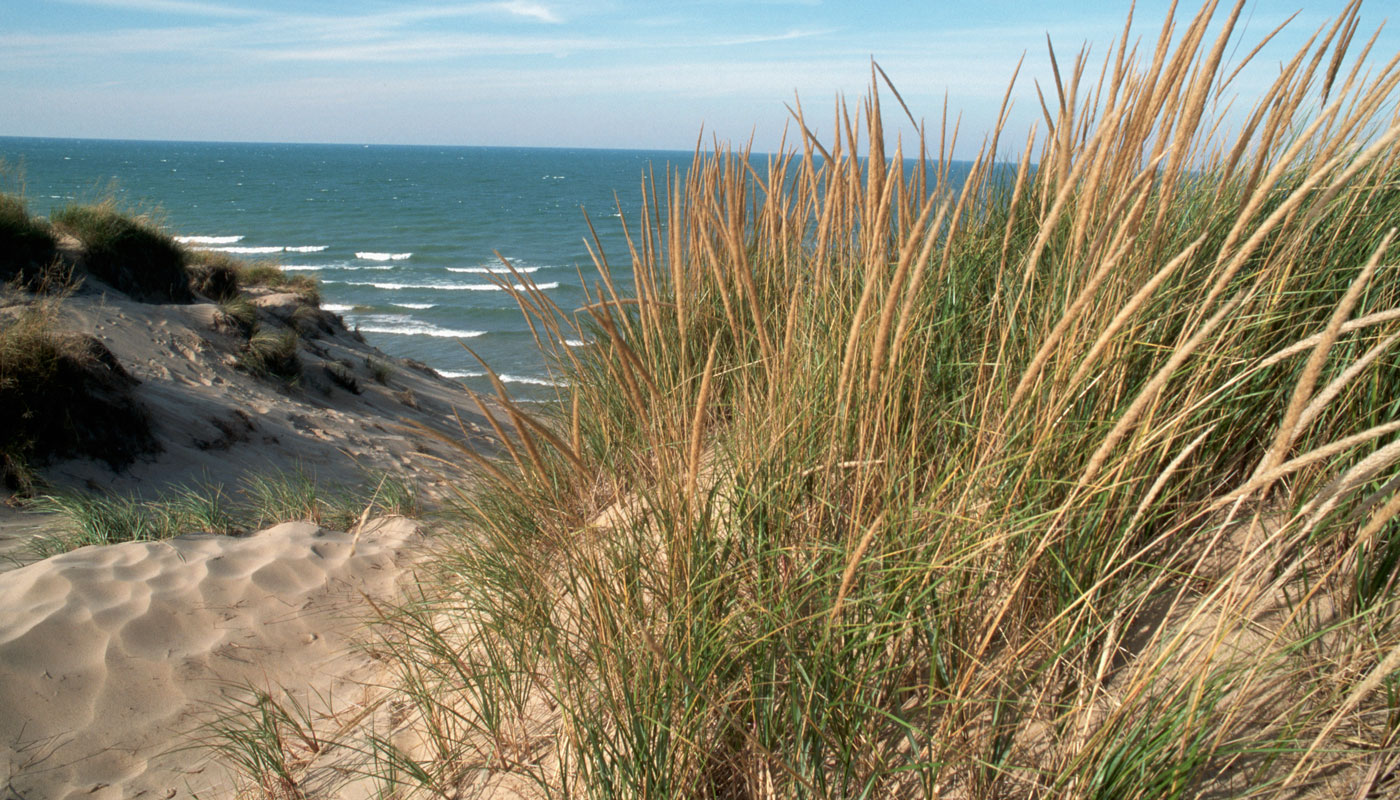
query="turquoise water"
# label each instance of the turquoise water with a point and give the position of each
(402, 238)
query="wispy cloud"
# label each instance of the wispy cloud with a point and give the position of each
(765, 38)
(184, 7)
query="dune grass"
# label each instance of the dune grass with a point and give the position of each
(263, 499)
(1077, 480)
(62, 395)
(27, 245)
(130, 252)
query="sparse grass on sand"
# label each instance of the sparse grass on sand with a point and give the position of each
(1076, 481)
(265, 498)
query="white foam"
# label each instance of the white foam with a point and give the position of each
(491, 270)
(247, 251)
(337, 308)
(307, 267)
(449, 287)
(416, 306)
(452, 373)
(208, 239)
(261, 250)
(575, 342)
(531, 381)
(421, 330)
(384, 256)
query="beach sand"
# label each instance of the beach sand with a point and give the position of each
(112, 659)
(115, 660)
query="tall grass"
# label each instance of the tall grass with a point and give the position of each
(1076, 480)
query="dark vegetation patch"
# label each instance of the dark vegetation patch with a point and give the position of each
(343, 376)
(128, 253)
(64, 396)
(214, 275)
(27, 246)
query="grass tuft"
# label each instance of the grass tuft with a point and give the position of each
(272, 353)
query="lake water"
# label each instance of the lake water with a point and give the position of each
(403, 239)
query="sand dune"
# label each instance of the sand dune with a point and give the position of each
(111, 657)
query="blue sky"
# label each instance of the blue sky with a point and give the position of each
(587, 73)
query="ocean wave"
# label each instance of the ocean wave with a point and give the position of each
(308, 267)
(337, 308)
(384, 256)
(448, 287)
(416, 306)
(576, 342)
(208, 239)
(491, 270)
(452, 373)
(421, 330)
(263, 250)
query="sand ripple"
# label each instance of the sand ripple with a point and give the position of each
(110, 655)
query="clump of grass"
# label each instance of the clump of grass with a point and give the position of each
(380, 371)
(343, 376)
(130, 253)
(1045, 482)
(238, 314)
(27, 245)
(62, 396)
(215, 275)
(271, 740)
(272, 353)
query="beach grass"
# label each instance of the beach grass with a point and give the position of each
(261, 499)
(1075, 479)
(62, 395)
(27, 245)
(131, 252)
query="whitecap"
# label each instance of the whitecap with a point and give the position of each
(384, 256)
(337, 308)
(448, 287)
(531, 381)
(208, 239)
(263, 250)
(247, 251)
(491, 270)
(416, 306)
(453, 373)
(421, 330)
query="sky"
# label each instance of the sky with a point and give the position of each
(558, 73)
